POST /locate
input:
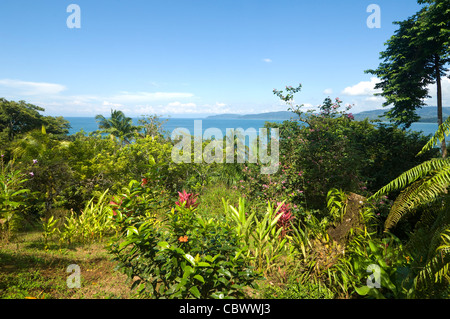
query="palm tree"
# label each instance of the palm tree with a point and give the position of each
(426, 186)
(117, 125)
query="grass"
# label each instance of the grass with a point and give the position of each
(27, 270)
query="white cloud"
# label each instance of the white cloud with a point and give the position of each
(328, 91)
(144, 97)
(178, 107)
(363, 88)
(106, 103)
(362, 95)
(445, 86)
(267, 60)
(30, 88)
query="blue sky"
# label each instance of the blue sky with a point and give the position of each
(191, 57)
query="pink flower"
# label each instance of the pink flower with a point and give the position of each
(188, 198)
(286, 217)
(113, 203)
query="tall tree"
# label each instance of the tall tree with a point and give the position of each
(18, 118)
(415, 57)
(433, 33)
(118, 125)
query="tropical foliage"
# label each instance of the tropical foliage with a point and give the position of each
(357, 209)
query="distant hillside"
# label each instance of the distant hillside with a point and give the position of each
(427, 114)
(281, 115)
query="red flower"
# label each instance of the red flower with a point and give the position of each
(286, 217)
(188, 198)
(183, 239)
(144, 182)
(112, 203)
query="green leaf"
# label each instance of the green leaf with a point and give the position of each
(188, 270)
(131, 230)
(190, 259)
(225, 272)
(199, 278)
(203, 264)
(163, 245)
(362, 291)
(195, 292)
(218, 295)
(372, 246)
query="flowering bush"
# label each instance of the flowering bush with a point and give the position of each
(176, 253)
(186, 199)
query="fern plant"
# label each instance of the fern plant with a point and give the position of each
(425, 186)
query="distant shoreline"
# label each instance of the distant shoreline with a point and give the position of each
(427, 115)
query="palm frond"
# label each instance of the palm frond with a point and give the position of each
(436, 271)
(443, 130)
(412, 175)
(419, 193)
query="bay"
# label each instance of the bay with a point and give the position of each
(88, 124)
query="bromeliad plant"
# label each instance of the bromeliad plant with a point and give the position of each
(177, 253)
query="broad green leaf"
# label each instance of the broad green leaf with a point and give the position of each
(195, 292)
(203, 264)
(199, 278)
(163, 244)
(188, 270)
(190, 259)
(364, 290)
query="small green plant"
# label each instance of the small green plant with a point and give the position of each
(93, 223)
(262, 237)
(391, 277)
(336, 203)
(50, 228)
(12, 197)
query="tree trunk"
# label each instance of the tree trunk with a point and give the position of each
(439, 102)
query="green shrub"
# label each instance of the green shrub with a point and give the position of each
(13, 197)
(177, 254)
(92, 224)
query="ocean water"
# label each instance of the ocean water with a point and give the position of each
(88, 124)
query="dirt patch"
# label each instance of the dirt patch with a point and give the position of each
(351, 219)
(28, 271)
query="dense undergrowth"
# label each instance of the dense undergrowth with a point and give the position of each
(314, 229)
